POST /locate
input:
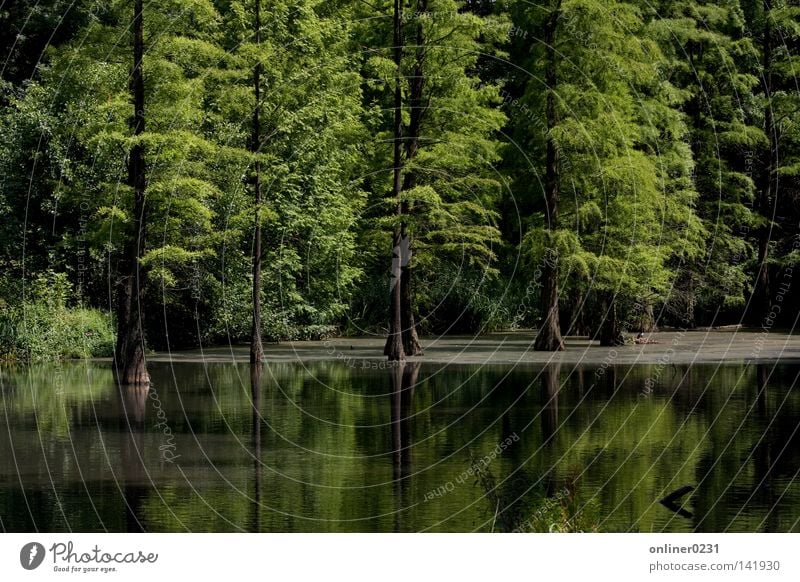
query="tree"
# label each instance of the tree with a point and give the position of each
(548, 337)
(711, 61)
(32, 26)
(95, 199)
(615, 138)
(256, 349)
(395, 348)
(778, 177)
(129, 353)
(307, 156)
(445, 213)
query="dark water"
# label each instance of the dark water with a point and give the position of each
(329, 447)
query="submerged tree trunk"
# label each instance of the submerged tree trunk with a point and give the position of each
(759, 304)
(394, 343)
(548, 338)
(129, 359)
(256, 348)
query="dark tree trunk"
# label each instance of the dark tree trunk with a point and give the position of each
(760, 300)
(256, 348)
(394, 343)
(548, 338)
(610, 333)
(129, 359)
(576, 321)
(411, 343)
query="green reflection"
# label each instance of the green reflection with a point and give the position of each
(332, 447)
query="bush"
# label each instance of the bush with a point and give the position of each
(44, 328)
(466, 303)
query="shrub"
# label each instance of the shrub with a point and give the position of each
(45, 328)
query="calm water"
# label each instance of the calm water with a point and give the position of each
(329, 447)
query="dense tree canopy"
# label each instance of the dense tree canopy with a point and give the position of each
(579, 166)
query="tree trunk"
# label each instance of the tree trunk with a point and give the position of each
(256, 348)
(394, 343)
(767, 190)
(129, 359)
(548, 338)
(411, 343)
(610, 333)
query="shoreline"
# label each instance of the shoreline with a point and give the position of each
(516, 348)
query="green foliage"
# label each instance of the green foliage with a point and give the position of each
(46, 327)
(627, 199)
(451, 184)
(713, 62)
(666, 185)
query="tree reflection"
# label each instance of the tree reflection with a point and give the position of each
(136, 481)
(550, 388)
(404, 379)
(255, 392)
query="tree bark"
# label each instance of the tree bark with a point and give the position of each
(256, 347)
(548, 338)
(129, 359)
(610, 333)
(411, 343)
(394, 342)
(767, 190)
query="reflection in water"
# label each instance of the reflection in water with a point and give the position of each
(255, 393)
(768, 453)
(762, 461)
(672, 501)
(404, 380)
(550, 387)
(551, 384)
(133, 406)
(340, 458)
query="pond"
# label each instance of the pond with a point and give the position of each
(352, 446)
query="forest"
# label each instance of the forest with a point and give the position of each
(200, 172)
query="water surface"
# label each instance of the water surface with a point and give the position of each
(337, 446)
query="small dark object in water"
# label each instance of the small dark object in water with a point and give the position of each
(669, 501)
